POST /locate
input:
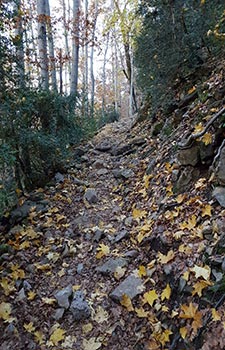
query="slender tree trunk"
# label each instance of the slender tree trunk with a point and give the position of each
(52, 65)
(18, 31)
(92, 59)
(67, 50)
(75, 47)
(42, 43)
(60, 72)
(104, 75)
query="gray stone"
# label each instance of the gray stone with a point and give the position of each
(27, 285)
(131, 286)
(59, 177)
(111, 265)
(98, 164)
(101, 172)
(80, 268)
(220, 174)
(122, 173)
(80, 182)
(189, 156)
(99, 234)
(58, 314)
(187, 177)
(131, 254)
(219, 194)
(103, 146)
(79, 307)
(91, 196)
(121, 235)
(21, 295)
(128, 221)
(63, 297)
(150, 166)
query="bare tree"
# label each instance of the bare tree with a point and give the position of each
(18, 41)
(42, 43)
(52, 65)
(75, 47)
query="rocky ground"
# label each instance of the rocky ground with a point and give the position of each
(125, 250)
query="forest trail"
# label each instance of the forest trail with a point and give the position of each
(109, 257)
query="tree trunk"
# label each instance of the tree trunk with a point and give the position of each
(42, 44)
(92, 59)
(67, 50)
(18, 32)
(104, 76)
(75, 47)
(52, 66)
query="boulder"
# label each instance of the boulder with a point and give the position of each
(189, 156)
(111, 265)
(91, 196)
(79, 307)
(219, 194)
(131, 286)
(220, 173)
(63, 297)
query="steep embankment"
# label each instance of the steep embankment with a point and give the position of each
(126, 250)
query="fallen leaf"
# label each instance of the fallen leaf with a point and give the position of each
(207, 210)
(142, 271)
(166, 293)
(183, 332)
(199, 286)
(164, 259)
(31, 295)
(5, 311)
(215, 315)
(103, 250)
(49, 301)
(138, 213)
(119, 272)
(29, 327)
(101, 315)
(7, 285)
(91, 344)
(150, 297)
(57, 336)
(87, 328)
(126, 302)
(207, 138)
(141, 313)
(202, 271)
(39, 337)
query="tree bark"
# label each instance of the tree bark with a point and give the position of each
(18, 39)
(52, 65)
(75, 47)
(42, 44)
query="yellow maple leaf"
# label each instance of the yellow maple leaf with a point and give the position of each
(201, 271)
(57, 336)
(199, 286)
(87, 328)
(164, 337)
(183, 332)
(191, 90)
(192, 221)
(191, 312)
(164, 259)
(180, 198)
(29, 327)
(126, 302)
(17, 273)
(147, 179)
(5, 311)
(31, 295)
(215, 315)
(39, 337)
(7, 285)
(206, 211)
(150, 297)
(166, 293)
(48, 301)
(207, 138)
(138, 213)
(103, 250)
(142, 271)
(141, 313)
(198, 128)
(186, 275)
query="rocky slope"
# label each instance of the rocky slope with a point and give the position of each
(125, 250)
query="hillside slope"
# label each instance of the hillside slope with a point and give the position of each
(126, 250)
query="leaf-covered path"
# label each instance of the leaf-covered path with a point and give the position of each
(110, 258)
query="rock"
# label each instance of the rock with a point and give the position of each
(220, 174)
(150, 166)
(20, 213)
(116, 151)
(79, 151)
(63, 297)
(27, 285)
(91, 196)
(188, 99)
(59, 178)
(98, 164)
(80, 268)
(84, 159)
(189, 156)
(58, 314)
(80, 182)
(187, 176)
(219, 194)
(128, 221)
(101, 172)
(131, 254)
(206, 153)
(131, 286)
(79, 307)
(122, 173)
(111, 265)
(103, 146)
(99, 234)
(21, 295)
(121, 235)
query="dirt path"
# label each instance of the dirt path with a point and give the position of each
(57, 249)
